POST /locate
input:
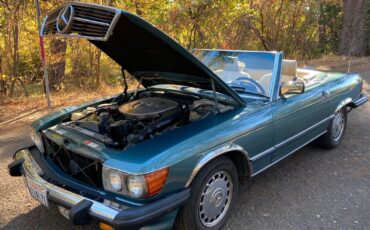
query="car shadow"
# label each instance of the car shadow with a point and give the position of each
(43, 218)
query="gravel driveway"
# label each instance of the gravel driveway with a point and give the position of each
(312, 189)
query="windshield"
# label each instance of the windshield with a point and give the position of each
(244, 71)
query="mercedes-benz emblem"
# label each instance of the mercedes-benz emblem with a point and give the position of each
(64, 19)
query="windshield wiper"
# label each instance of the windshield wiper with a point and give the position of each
(240, 89)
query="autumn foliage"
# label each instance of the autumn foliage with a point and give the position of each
(302, 29)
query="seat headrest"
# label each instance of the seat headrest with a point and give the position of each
(289, 67)
(231, 64)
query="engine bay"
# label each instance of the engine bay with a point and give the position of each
(120, 125)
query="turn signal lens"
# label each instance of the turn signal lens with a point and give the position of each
(104, 226)
(155, 181)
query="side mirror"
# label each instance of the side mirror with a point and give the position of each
(291, 87)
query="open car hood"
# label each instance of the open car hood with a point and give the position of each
(139, 47)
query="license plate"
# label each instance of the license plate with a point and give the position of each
(38, 192)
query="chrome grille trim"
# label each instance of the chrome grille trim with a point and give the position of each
(81, 20)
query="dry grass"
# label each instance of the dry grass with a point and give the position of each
(337, 63)
(36, 105)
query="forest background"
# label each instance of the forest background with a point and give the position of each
(302, 29)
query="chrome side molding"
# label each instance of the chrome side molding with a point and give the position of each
(234, 147)
(279, 145)
(262, 154)
(304, 131)
(290, 153)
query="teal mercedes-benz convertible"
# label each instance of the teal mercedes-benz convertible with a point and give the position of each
(173, 152)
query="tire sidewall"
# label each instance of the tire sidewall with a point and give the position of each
(190, 212)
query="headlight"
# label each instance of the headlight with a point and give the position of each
(115, 181)
(36, 138)
(136, 186)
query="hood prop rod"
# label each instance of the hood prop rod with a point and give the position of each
(215, 110)
(137, 89)
(120, 100)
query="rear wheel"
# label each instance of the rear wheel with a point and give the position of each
(213, 194)
(337, 128)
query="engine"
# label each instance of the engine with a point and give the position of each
(149, 108)
(126, 124)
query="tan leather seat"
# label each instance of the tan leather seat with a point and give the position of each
(288, 73)
(288, 70)
(231, 70)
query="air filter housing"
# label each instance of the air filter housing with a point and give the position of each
(149, 108)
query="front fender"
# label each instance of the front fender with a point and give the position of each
(220, 151)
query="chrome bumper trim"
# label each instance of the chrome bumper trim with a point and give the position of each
(97, 209)
(361, 100)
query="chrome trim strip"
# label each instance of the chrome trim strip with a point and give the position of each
(97, 209)
(262, 154)
(109, 167)
(303, 132)
(343, 103)
(213, 154)
(296, 149)
(91, 21)
(361, 100)
(275, 74)
(267, 151)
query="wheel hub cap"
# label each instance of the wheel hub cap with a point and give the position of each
(215, 199)
(337, 126)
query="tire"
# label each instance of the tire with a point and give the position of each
(221, 177)
(337, 128)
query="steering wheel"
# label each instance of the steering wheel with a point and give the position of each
(248, 83)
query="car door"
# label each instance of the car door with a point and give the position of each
(257, 137)
(298, 119)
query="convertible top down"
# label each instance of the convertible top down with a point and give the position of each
(173, 152)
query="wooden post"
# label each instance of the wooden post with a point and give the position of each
(42, 51)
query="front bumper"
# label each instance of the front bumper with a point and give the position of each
(82, 208)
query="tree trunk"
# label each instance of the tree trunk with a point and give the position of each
(2, 80)
(98, 58)
(354, 38)
(57, 67)
(15, 53)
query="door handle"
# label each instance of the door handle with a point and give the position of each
(325, 93)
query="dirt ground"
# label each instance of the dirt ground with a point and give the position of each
(312, 189)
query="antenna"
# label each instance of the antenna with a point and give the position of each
(349, 65)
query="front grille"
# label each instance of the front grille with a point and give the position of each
(85, 20)
(79, 167)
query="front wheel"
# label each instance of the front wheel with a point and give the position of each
(213, 195)
(335, 133)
